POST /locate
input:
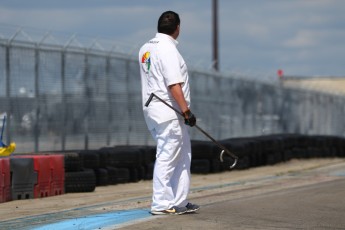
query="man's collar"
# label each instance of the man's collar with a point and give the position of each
(161, 35)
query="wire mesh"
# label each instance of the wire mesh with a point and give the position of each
(67, 96)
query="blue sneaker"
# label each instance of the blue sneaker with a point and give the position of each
(173, 210)
(192, 207)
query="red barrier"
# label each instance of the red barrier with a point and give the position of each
(23, 178)
(50, 174)
(5, 180)
(57, 185)
(42, 167)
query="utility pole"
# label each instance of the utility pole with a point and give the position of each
(215, 60)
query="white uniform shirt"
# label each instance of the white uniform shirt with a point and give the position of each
(161, 65)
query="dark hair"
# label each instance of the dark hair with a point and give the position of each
(168, 22)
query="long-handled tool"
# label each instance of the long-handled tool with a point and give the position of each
(2, 132)
(224, 150)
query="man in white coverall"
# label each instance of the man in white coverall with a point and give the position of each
(164, 73)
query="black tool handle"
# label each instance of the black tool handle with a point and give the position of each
(149, 100)
(160, 99)
(200, 129)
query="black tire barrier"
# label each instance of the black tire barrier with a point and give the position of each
(133, 174)
(123, 175)
(149, 154)
(111, 165)
(252, 152)
(81, 181)
(141, 172)
(202, 150)
(82, 171)
(73, 163)
(200, 166)
(112, 175)
(90, 159)
(104, 156)
(126, 156)
(123, 164)
(102, 178)
(149, 171)
(215, 166)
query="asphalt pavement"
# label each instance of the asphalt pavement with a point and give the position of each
(300, 194)
(311, 199)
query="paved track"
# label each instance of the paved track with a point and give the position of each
(306, 199)
(294, 195)
(319, 206)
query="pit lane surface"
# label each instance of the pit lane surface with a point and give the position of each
(300, 194)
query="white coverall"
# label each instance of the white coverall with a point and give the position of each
(161, 65)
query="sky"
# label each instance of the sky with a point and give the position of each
(256, 37)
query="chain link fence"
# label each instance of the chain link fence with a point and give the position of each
(68, 97)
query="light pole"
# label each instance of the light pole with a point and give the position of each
(215, 60)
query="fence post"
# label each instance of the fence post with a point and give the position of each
(108, 98)
(63, 101)
(128, 103)
(8, 94)
(37, 105)
(88, 97)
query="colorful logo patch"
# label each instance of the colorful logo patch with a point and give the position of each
(146, 59)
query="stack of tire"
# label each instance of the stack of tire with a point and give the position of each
(78, 178)
(87, 169)
(264, 150)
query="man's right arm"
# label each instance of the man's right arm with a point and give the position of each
(177, 93)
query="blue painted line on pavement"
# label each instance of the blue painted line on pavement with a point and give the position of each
(100, 220)
(97, 221)
(338, 173)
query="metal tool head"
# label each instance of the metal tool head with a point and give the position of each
(222, 160)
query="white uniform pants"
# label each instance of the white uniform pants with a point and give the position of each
(171, 177)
